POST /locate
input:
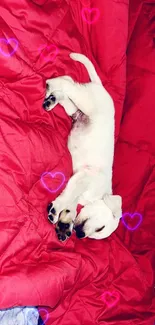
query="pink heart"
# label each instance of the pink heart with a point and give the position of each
(87, 14)
(47, 314)
(53, 175)
(48, 53)
(110, 298)
(5, 42)
(138, 219)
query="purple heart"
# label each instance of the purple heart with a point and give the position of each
(7, 41)
(53, 175)
(132, 216)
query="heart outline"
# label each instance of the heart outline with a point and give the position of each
(43, 47)
(53, 175)
(90, 10)
(131, 215)
(111, 294)
(7, 41)
(47, 315)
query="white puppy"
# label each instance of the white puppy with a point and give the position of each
(91, 144)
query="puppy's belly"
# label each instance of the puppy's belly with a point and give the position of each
(85, 146)
(78, 159)
(83, 153)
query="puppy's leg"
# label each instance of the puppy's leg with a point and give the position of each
(63, 209)
(80, 95)
(69, 106)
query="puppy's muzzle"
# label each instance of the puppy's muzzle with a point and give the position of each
(79, 230)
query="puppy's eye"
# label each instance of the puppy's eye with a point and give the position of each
(99, 229)
(47, 86)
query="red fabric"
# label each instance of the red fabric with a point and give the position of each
(80, 281)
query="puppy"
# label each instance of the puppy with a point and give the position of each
(91, 144)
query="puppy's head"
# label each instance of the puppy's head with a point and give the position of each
(99, 219)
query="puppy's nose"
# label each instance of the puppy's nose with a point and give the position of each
(79, 232)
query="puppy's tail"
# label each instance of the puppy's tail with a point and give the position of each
(89, 66)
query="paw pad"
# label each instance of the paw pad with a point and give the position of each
(51, 212)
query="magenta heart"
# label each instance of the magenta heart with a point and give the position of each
(110, 298)
(49, 53)
(90, 15)
(53, 175)
(46, 312)
(5, 42)
(132, 216)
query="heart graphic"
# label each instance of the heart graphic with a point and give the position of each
(47, 314)
(48, 53)
(90, 15)
(53, 175)
(5, 44)
(136, 217)
(110, 298)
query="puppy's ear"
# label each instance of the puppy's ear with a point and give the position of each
(114, 203)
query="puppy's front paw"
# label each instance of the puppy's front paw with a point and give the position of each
(52, 213)
(64, 226)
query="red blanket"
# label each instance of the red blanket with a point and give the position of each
(80, 282)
